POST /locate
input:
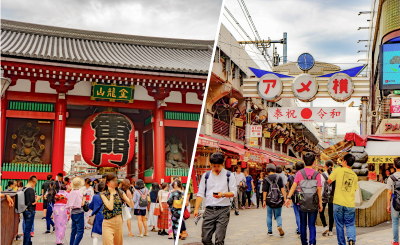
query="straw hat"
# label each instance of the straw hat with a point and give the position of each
(77, 183)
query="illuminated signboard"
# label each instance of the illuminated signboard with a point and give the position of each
(390, 66)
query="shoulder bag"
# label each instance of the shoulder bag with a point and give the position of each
(157, 211)
(93, 216)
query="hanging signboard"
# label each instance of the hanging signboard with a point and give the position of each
(256, 131)
(205, 142)
(306, 114)
(253, 141)
(395, 107)
(305, 87)
(340, 87)
(270, 87)
(252, 157)
(112, 92)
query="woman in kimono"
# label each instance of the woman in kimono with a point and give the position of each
(175, 195)
(96, 206)
(60, 214)
(88, 193)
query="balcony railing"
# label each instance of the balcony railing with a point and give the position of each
(176, 171)
(221, 128)
(240, 134)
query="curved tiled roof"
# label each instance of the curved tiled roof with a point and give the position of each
(108, 49)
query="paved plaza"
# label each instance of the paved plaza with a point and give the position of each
(45, 239)
(250, 227)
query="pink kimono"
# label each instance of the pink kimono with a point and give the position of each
(60, 215)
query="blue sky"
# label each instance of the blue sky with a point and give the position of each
(327, 29)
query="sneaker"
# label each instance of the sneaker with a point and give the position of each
(48, 232)
(141, 236)
(236, 212)
(281, 232)
(330, 233)
(242, 207)
(32, 234)
(394, 243)
(54, 229)
(257, 206)
(44, 218)
(351, 242)
(298, 232)
(269, 233)
(248, 207)
(326, 230)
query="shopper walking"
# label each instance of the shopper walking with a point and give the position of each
(45, 189)
(112, 211)
(344, 211)
(299, 166)
(155, 188)
(51, 198)
(327, 193)
(308, 212)
(88, 193)
(216, 186)
(259, 191)
(125, 188)
(139, 197)
(29, 214)
(97, 209)
(239, 177)
(274, 196)
(175, 202)
(250, 188)
(393, 204)
(162, 221)
(74, 205)
(60, 214)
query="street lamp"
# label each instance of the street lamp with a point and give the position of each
(5, 82)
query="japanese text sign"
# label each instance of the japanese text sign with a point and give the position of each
(305, 87)
(395, 107)
(253, 141)
(209, 143)
(256, 131)
(270, 87)
(112, 93)
(340, 87)
(306, 114)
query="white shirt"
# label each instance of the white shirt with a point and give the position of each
(217, 183)
(239, 177)
(323, 181)
(162, 196)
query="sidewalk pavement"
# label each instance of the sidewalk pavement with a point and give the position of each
(250, 227)
(45, 239)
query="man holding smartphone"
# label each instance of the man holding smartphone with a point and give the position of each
(217, 186)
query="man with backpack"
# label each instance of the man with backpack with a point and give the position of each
(216, 186)
(393, 200)
(274, 196)
(309, 198)
(240, 182)
(26, 204)
(344, 211)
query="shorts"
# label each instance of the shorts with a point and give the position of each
(140, 212)
(44, 204)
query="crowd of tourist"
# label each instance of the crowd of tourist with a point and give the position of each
(100, 205)
(306, 188)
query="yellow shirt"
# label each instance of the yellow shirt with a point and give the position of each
(346, 186)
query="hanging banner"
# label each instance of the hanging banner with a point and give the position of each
(306, 114)
(395, 107)
(256, 131)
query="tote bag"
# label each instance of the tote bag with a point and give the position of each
(126, 215)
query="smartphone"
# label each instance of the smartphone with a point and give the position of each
(215, 193)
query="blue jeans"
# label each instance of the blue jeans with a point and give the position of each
(308, 218)
(49, 212)
(297, 215)
(77, 228)
(23, 226)
(29, 217)
(395, 224)
(278, 216)
(345, 216)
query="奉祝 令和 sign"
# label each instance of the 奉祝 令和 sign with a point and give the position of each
(112, 93)
(306, 114)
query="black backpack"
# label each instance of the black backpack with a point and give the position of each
(396, 193)
(228, 174)
(327, 190)
(274, 197)
(308, 195)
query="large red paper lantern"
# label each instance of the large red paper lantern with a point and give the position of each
(108, 140)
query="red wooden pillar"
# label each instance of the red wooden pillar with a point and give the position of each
(3, 121)
(141, 152)
(159, 145)
(59, 135)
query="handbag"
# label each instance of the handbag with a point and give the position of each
(186, 214)
(93, 216)
(86, 207)
(157, 210)
(126, 215)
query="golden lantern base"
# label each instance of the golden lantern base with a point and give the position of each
(106, 170)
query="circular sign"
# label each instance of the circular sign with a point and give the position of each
(108, 140)
(270, 87)
(306, 113)
(305, 61)
(305, 87)
(340, 87)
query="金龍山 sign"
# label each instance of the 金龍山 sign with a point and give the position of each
(306, 114)
(112, 93)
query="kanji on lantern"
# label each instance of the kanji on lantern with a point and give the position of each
(321, 113)
(290, 114)
(278, 113)
(334, 113)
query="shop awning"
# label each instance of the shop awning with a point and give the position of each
(232, 148)
(383, 148)
(207, 142)
(224, 144)
(271, 157)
